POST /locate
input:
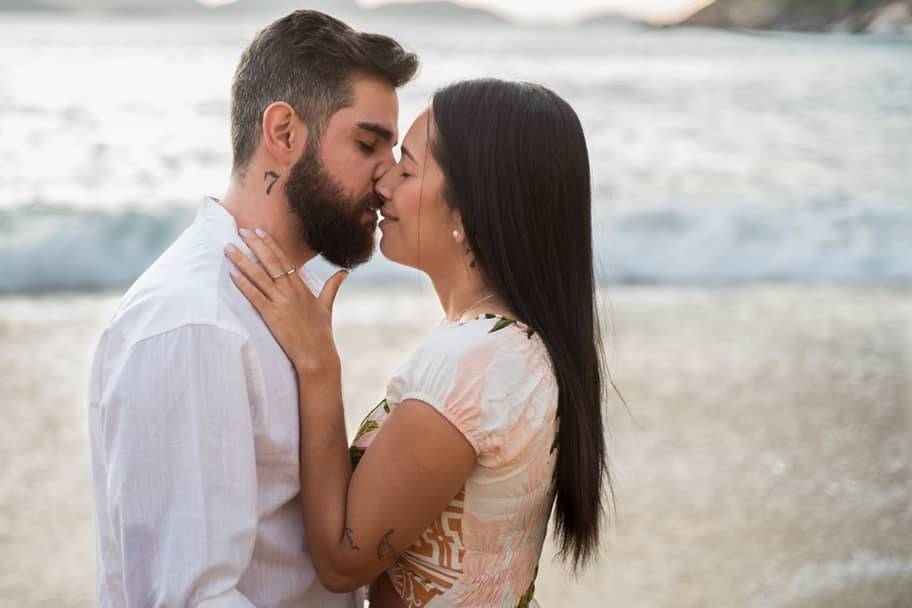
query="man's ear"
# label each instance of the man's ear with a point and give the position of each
(284, 134)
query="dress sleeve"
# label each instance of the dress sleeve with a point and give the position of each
(180, 471)
(481, 388)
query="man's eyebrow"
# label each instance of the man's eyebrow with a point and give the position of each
(377, 129)
(407, 153)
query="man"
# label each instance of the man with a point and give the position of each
(193, 409)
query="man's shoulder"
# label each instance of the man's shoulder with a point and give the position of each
(185, 287)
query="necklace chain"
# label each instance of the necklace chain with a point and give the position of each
(473, 305)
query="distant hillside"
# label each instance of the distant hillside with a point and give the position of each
(25, 6)
(610, 20)
(177, 6)
(436, 11)
(286, 6)
(877, 16)
(111, 6)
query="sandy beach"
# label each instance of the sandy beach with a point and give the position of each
(764, 459)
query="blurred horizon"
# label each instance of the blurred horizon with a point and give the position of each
(718, 157)
(659, 11)
(664, 12)
(882, 17)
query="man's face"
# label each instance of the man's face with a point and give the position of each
(331, 187)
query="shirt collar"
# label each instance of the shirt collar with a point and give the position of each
(222, 229)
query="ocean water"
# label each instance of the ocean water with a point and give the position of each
(717, 158)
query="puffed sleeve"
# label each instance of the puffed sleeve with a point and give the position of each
(485, 384)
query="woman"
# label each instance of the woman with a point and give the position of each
(445, 495)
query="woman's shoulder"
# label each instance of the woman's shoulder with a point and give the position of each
(479, 350)
(486, 338)
(489, 376)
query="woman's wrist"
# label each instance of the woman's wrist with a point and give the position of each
(325, 372)
(317, 365)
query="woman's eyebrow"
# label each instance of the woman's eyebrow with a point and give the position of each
(407, 153)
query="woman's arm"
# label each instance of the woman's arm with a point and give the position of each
(356, 524)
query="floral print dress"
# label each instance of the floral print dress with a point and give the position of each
(491, 377)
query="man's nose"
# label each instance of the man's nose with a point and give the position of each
(384, 165)
(380, 186)
(384, 192)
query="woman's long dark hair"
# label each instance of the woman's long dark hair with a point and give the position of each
(516, 167)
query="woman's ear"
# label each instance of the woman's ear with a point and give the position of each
(457, 231)
(284, 134)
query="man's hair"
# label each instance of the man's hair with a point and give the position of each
(307, 59)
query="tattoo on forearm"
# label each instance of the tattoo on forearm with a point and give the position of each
(351, 540)
(275, 178)
(385, 551)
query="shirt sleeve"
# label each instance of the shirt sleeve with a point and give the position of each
(483, 387)
(180, 470)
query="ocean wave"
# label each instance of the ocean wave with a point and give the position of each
(815, 242)
(55, 248)
(52, 248)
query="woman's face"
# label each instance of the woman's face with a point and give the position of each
(417, 225)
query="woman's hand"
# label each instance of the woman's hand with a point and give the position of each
(299, 321)
(357, 523)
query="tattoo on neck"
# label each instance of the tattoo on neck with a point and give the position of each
(385, 551)
(275, 178)
(351, 540)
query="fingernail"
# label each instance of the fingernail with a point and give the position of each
(229, 248)
(244, 232)
(233, 272)
(260, 232)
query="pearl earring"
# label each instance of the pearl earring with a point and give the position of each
(456, 234)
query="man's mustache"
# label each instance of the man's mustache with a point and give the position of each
(372, 202)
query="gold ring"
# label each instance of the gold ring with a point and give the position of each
(288, 272)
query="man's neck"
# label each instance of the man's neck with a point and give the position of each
(247, 201)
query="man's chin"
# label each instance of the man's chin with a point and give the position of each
(350, 260)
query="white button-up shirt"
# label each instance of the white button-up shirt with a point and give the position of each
(193, 421)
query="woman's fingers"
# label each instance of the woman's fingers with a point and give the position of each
(297, 320)
(331, 289)
(250, 291)
(282, 259)
(255, 275)
(264, 253)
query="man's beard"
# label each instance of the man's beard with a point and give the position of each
(331, 223)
